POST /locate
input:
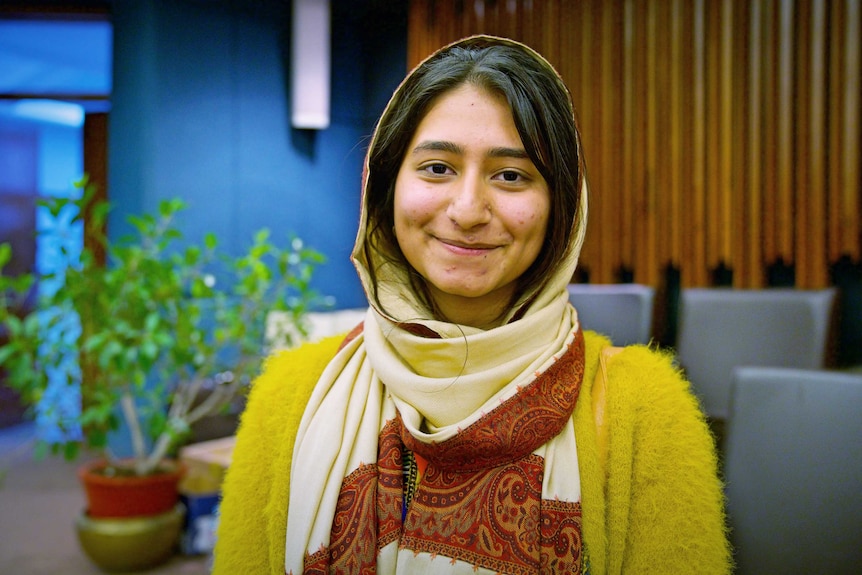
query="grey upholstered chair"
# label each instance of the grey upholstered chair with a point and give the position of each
(722, 328)
(793, 470)
(623, 312)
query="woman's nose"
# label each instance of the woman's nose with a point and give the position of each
(469, 205)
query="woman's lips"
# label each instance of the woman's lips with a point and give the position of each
(465, 247)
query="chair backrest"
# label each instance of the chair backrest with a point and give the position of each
(722, 328)
(793, 471)
(621, 311)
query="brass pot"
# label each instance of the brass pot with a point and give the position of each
(130, 544)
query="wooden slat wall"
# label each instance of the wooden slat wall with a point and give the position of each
(717, 132)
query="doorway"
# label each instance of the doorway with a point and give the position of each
(55, 84)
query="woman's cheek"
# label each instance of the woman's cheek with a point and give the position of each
(415, 208)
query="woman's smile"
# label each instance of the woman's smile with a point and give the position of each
(467, 248)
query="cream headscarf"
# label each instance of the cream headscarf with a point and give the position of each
(438, 385)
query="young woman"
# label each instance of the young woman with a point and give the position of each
(470, 425)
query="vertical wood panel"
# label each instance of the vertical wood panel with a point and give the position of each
(661, 194)
(526, 14)
(416, 33)
(786, 146)
(675, 119)
(725, 130)
(816, 196)
(492, 18)
(835, 132)
(685, 197)
(592, 247)
(713, 130)
(447, 21)
(652, 140)
(549, 45)
(739, 137)
(851, 139)
(697, 262)
(645, 270)
(627, 170)
(803, 140)
(716, 131)
(606, 94)
(769, 74)
(570, 52)
(752, 248)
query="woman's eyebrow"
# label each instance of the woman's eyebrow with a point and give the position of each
(519, 153)
(451, 147)
(438, 146)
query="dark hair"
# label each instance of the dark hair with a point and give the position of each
(542, 110)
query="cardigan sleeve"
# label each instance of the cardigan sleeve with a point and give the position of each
(253, 510)
(665, 503)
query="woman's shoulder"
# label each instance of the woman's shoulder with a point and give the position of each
(648, 358)
(639, 371)
(294, 364)
(648, 366)
(288, 377)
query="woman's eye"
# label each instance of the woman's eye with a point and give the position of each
(436, 169)
(510, 176)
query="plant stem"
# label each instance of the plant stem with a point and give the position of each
(157, 454)
(127, 402)
(214, 401)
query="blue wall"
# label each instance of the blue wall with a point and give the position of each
(200, 110)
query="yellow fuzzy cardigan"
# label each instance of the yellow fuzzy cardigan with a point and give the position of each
(654, 506)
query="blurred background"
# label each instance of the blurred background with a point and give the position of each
(723, 138)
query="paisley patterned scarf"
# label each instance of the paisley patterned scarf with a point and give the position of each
(501, 490)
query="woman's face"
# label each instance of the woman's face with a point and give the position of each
(471, 209)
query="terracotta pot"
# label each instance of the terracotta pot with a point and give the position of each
(128, 495)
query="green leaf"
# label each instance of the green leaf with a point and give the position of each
(192, 256)
(5, 353)
(262, 235)
(158, 421)
(109, 352)
(149, 350)
(99, 213)
(13, 325)
(163, 340)
(31, 326)
(141, 223)
(169, 207)
(54, 205)
(5, 254)
(172, 234)
(71, 450)
(152, 322)
(199, 288)
(94, 342)
(97, 438)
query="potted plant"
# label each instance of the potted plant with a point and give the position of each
(154, 338)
